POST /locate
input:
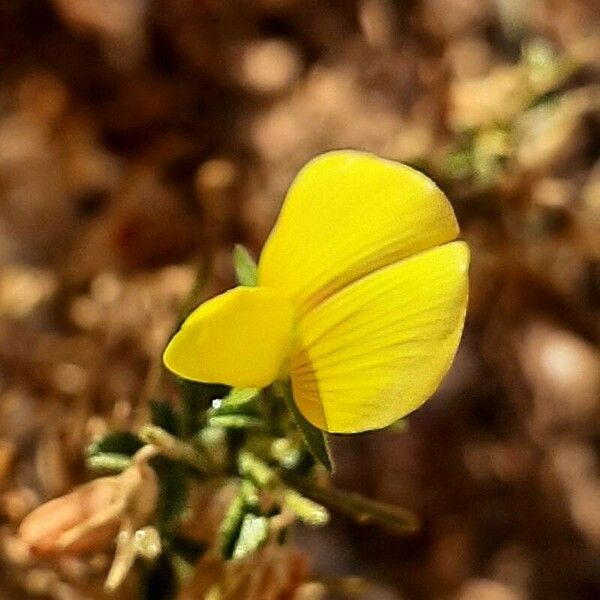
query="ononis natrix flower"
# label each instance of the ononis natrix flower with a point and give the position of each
(361, 298)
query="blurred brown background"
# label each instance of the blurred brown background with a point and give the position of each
(138, 137)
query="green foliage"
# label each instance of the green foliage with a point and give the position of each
(250, 494)
(234, 421)
(237, 410)
(253, 534)
(306, 509)
(359, 508)
(255, 469)
(315, 439)
(113, 452)
(244, 528)
(164, 415)
(245, 267)
(196, 399)
(257, 436)
(174, 480)
(238, 400)
(116, 442)
(108, 461)
(231, 525)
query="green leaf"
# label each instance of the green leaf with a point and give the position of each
(164, 416)
(116, 442)
(250, 494)
(306, 509)
(245, 267)
(231, 525)
(236, 411)
(234, 421)
(196, 399)
(255, 469)
(315, 439)
(109, 461)
(359, 508)
(238, 399)
(286, 453)
(253, 534)
(173, 490)
(211, 438)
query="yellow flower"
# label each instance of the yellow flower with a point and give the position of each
(361, 298)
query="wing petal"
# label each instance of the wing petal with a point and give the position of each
(346, 215)
(241, 338)
(377, 349)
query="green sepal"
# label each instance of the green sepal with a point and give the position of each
(315, 439)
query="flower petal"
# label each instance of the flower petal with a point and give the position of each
(346, 215)
(376, 350)
(240, 338)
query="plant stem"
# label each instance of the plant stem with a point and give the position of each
(173, 448)
(359, 508)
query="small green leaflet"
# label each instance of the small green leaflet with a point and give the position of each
(306, 509)
(173, 490)
(109, 461)
(253, 534)
(237, 399)
(255, 469)
(231, 525)
(234, 421)
(165, 416)
(116, 442)
(245, 267)
(236, 411)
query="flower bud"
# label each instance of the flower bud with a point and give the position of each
(89, 518)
